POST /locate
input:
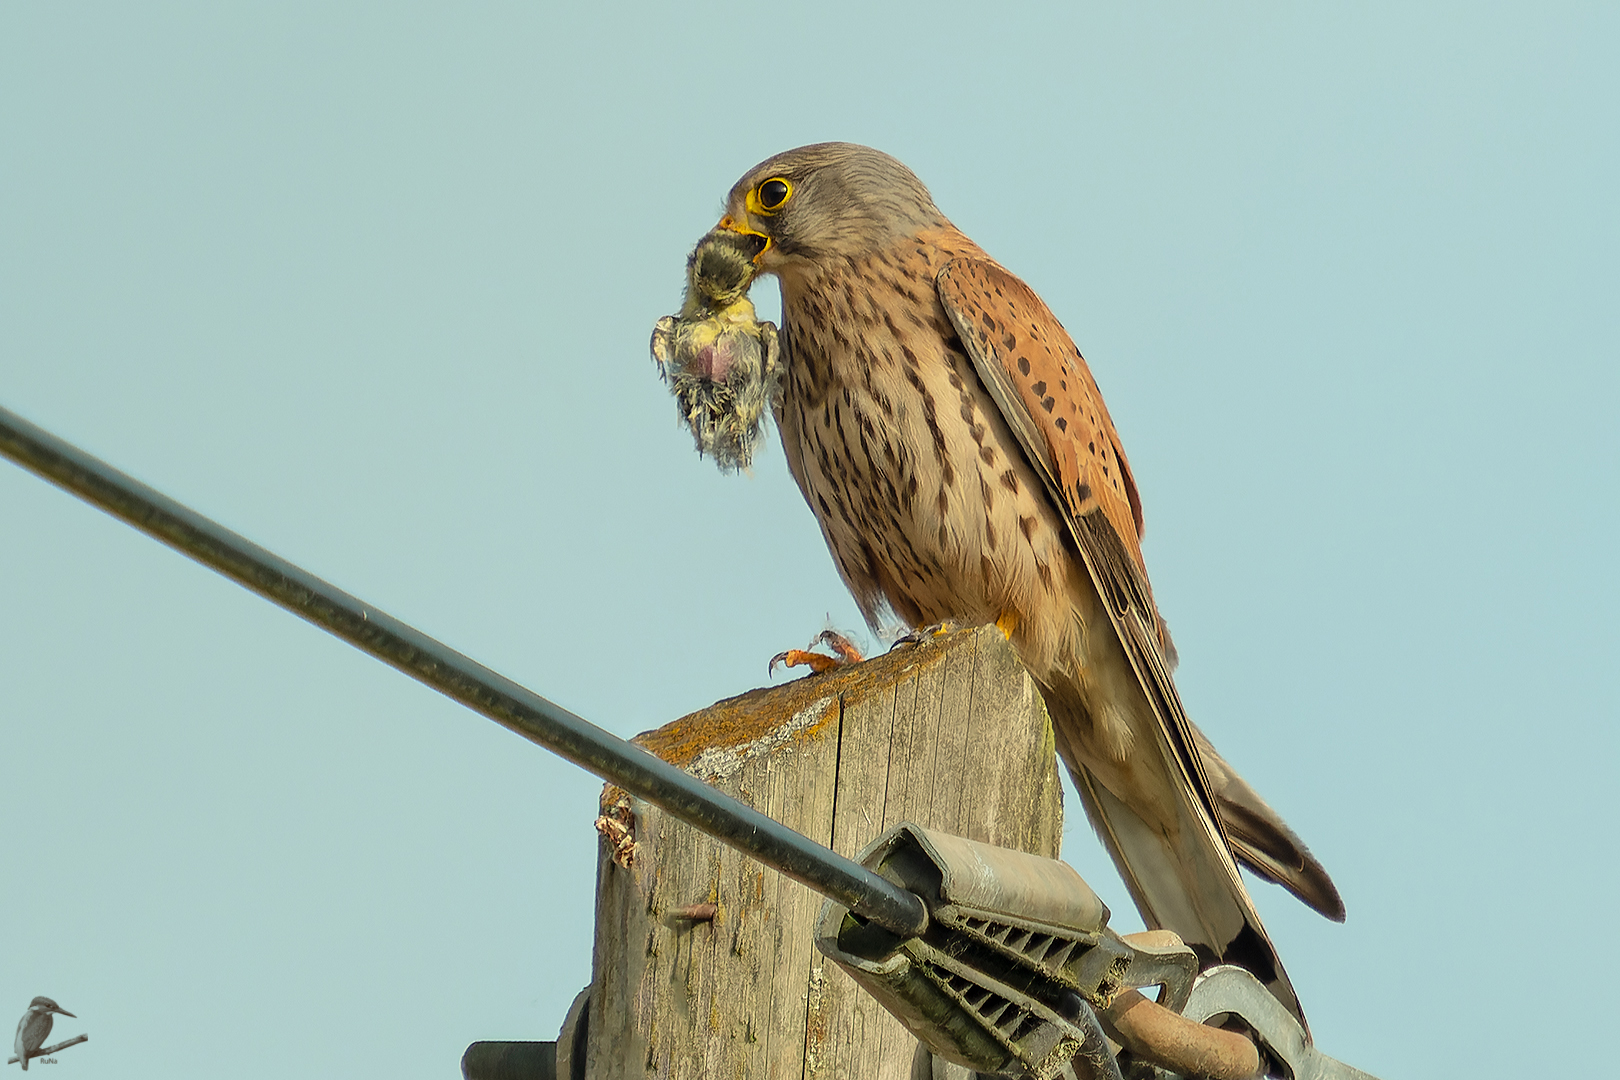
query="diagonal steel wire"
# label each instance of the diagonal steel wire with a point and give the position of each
(462, 679)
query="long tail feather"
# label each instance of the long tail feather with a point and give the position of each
(1260, 838)
(1176, 878)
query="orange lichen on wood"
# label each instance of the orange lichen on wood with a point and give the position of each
(746, 718)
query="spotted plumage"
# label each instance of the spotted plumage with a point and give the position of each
(956, 452)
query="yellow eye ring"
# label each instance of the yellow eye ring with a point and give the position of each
(770, 196)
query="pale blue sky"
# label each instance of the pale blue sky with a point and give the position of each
(372, 284)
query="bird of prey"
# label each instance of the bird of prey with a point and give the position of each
(35, 1027)
(952, 444)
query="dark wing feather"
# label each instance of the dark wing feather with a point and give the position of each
(1262, 841)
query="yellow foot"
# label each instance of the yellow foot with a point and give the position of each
(845, 650)
(1008, 624)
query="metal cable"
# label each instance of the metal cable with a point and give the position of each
(454, 675)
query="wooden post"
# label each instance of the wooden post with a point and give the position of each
(950, 733)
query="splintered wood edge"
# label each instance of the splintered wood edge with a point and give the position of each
(713, 742)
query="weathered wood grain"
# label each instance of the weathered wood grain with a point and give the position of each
(950, 733)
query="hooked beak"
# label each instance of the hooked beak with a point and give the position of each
(761, 241)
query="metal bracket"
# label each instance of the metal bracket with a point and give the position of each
(1233, 991)
(1015, 959)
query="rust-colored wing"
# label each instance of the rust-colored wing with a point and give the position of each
(1047, 396)
(1046, 391)
(1050, 401)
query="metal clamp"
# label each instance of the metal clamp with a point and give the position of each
(1230, 990)
(1015, 964)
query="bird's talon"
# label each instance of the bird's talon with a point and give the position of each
(819, 663)
(921, 634)
(839, 644)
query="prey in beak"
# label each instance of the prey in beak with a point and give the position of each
(722, 364)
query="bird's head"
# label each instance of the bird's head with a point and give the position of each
(45, 1004)
(825, 201)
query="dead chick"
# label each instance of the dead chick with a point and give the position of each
(722, 364)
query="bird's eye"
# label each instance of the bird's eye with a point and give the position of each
(773, 193)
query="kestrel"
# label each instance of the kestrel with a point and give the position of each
(957, 454)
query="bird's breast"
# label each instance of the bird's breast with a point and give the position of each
(923, 495)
